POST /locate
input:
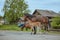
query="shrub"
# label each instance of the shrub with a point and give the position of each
(56, 23)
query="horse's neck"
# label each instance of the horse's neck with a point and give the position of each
(28, 20)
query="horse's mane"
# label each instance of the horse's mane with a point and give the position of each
(29, 16)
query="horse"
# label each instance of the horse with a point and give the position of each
(33, 25)
(44, 21)
(38, 18)
(33, 22)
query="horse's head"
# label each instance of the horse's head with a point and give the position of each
(27, 16)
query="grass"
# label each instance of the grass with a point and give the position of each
(12, 27)
(16, 28)
(54, 32)
(9, 27)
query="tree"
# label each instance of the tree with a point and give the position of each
(14, 9)
(1, 17)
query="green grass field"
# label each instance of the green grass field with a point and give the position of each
(9, 27)
(16, 28)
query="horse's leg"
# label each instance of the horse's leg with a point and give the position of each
(22, 28)
(46, 27)
(35, 29)
(43, 28)
(26, 29)
(31, 30)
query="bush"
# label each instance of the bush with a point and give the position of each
(55, 23)
(56, 27)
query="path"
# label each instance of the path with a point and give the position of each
(15, 35)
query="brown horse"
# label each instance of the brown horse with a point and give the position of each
(33, 25)
(34, 21)
(43, 19)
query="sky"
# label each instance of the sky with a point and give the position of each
(1, 7)
(53, 5)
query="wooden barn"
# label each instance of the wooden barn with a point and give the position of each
(48, 13)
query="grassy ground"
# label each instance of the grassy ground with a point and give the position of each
(16, 28)
(9, 27)
(54, 32)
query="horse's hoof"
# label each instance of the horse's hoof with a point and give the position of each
(34, 33)
(31, 33)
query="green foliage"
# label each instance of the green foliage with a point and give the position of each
(56, 22)
(1, 17)
(14, 9)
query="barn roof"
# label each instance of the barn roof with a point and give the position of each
(46, 13)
